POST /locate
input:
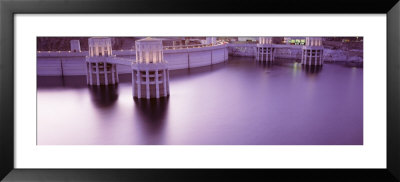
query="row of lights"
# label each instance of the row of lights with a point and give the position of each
(204, 45)
(53, 51)
(70, 51)
(192, 46)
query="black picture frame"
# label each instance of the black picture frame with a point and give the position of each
(9, 8)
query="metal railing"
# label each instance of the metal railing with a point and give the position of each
(192, 46)
(58, 53)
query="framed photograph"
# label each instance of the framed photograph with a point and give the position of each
(209, 91)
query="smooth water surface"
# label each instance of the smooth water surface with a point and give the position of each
(239, 102)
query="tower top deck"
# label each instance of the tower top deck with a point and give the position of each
(149, 40)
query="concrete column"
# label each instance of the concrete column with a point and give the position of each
(139, 80)
(167, 79)
(90, 73)
(147, 84)
(116, 73)
(160, 56)
(311, 52)
(133, 83)
(270, 54)
(306, 57)
(165, 82)
(211, 56)
(188, 58)
(113, 73)
(273, 54)
(87, 72)
(322, 57)
(314, 57)
(224, 54)
(319, 57)
(157, 86)
(105, 73)
(97, 74)
(262, 54)
(257, 54)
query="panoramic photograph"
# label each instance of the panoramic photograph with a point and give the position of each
(199, 90)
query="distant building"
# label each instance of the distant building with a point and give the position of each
(295, 40)
(247, 39)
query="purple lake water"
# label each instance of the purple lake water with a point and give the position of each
(239, 102)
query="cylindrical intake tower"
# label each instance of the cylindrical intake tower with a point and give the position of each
(265, 50)
(150, 75)
(98, 71)
(312, 52)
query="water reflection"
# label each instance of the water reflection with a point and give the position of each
(311, 69)
(104, 96)
(266, 64)
(152, 114)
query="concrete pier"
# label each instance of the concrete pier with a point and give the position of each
(265, 50)
(150, 75)
(312, 52)
(98, 70)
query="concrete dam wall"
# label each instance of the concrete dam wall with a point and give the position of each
(67, 63)
(330, 54)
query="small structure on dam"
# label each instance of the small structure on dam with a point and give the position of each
(98, 70)
(265, 49)
(150, 75)
(75, 46)
(211, 40)
(312, 52)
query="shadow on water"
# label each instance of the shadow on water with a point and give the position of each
(104, 96)
(152, 114)
(265, 64)
(311, 70)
